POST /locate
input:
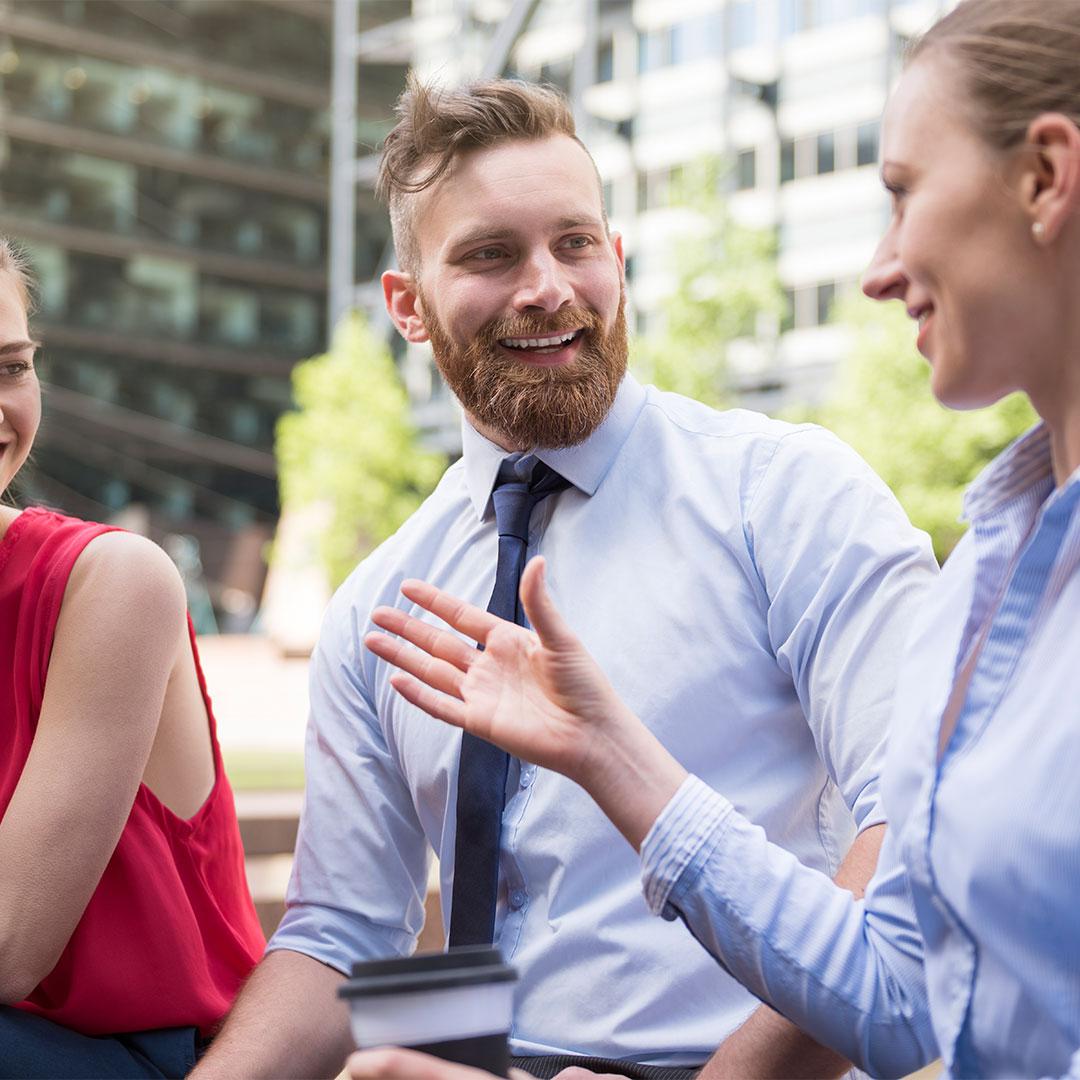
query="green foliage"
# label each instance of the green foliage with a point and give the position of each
(350, 444)
(726, 281)
(884, 408)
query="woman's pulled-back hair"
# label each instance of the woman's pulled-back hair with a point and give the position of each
(13, 262)
(1017, 59)
(435, 125)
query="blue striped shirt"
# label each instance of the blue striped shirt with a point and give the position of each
(968, 941)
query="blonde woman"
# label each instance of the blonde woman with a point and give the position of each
(968, 942)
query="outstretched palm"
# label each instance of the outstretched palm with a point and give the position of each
(539, 695)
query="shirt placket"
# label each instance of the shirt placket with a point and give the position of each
(1010, 630)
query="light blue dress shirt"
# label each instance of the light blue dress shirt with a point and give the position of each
(976, 902)
(746, 585)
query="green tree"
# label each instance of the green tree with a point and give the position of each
(883, 407)
(726, 285)
(350, 444)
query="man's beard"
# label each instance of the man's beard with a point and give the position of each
(528, 404)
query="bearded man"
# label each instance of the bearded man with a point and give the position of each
(745, 585)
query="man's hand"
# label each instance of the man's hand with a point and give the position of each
(537, 694)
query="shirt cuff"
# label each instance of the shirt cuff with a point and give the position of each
(695, 815)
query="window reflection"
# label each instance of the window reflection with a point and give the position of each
(163, 107)
(45, 183)
(224, 29)
(155, 297)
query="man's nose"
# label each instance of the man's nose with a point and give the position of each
(884, 278)
(543, 284)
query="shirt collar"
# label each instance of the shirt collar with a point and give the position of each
(1020, 469)
(584, 465)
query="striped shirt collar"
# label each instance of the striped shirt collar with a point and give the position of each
(1023, 468)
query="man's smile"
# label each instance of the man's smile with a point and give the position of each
(549, 351)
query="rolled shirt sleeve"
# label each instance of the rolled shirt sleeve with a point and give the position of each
(847, 972)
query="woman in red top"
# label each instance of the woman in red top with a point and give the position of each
(126, 925)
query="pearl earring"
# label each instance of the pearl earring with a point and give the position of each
(1038, 230)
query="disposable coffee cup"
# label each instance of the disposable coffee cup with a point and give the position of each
(456, 1005)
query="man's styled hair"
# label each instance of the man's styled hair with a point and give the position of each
(435, 125)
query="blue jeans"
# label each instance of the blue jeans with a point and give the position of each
(33, 1047)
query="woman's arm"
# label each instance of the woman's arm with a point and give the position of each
(114, 650)
(847, 973)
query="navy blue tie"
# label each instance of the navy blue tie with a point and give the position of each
(483, 767)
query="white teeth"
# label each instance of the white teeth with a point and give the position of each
(538, 343)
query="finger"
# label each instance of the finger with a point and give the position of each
(576, 1072)
(393, 1063)
(435, 642)
(438, 674)
(441, 706)
(465, 618)
(550, 626)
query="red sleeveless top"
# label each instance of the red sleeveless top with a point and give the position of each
(170, 932)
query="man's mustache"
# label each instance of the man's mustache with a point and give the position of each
(528, 326)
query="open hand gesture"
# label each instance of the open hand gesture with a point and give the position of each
(538, 693)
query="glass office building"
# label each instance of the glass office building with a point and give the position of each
(164, 164)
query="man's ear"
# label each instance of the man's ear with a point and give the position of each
(616, 246)
(1051, 182)
(403, 304)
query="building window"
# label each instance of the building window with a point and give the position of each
(557, 73)
(605, 61)
(746, 169)
(696, 39)
(808, 305)
(787, 320)
(867, 143)
(826, 153)
(656, 188)
(654, 49)
(744, 23)
(826, 294)
(787, 161)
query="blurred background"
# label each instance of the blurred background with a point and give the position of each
(192, 180)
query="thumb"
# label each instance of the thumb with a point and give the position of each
(542, 613)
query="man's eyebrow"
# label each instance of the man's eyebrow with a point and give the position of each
(18, 347)
(579, 223)
(483, 235)
(480, 236)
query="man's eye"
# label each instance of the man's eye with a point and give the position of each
(487, 254)
(15, 368)
(577, 241)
